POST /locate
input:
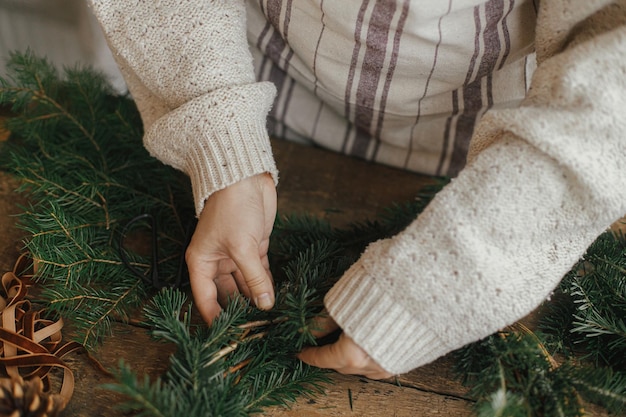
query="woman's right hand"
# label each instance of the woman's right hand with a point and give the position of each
(228, 251)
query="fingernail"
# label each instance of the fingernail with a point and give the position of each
(264, 301)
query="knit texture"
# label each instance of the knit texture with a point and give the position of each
(189, 69)
(543, 181)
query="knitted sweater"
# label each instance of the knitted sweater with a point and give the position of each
(542, 181)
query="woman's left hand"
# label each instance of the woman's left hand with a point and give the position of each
(343, 356)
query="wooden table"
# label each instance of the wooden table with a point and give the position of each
(325, 184)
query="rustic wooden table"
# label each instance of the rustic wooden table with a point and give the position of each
(324, 184)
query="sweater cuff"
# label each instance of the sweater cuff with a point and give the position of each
(218, 139)
(378, 323)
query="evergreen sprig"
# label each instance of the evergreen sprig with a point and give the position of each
(232, 368)
(246, 359)
(509, 374)
(589, 312)
(76, 147)
(77, 150)
(515, 373)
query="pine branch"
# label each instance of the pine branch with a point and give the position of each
(601, 386)
(219, 370)
(594, 296)
(502, 403)
(77, 150)
(145, 399)
(511, 371)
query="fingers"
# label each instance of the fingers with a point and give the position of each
(322, 325)
(214, 283)
(228, 251)
(204, 291)
(343, 356)
(226, 288)
(257, 279)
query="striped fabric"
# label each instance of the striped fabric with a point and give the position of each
(399, 82)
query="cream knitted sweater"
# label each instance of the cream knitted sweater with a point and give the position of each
(541, 183)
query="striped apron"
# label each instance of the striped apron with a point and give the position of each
(398, 82)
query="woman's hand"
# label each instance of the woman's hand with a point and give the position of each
(228, 251)
(343, 356)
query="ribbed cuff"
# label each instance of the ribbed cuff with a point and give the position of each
(391, 336)
(217, 139)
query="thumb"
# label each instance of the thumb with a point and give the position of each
(258, 281)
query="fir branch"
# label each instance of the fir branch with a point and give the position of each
(77, 150)
(502, 403)
(601, 386)
(144, 397)
(294, 233)
(217, 370)
(516, 365)
(78, 153)
(590, 307)
(283, 388)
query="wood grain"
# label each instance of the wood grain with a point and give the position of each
(338, 188)
(334, 187)
(352, 396)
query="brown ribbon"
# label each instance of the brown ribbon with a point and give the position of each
(30, 346)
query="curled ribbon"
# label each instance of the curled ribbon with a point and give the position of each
(31, 346)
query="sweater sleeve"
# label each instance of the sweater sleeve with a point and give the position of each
(188, 67)
(542, 183)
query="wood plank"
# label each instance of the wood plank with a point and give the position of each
(136, 347)
(11, 236)
(334, 187)
(338, 188)
(4, 133)
(437, 377)
(353, 396)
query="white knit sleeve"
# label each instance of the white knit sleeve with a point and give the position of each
(188, 67)
(491, 246)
